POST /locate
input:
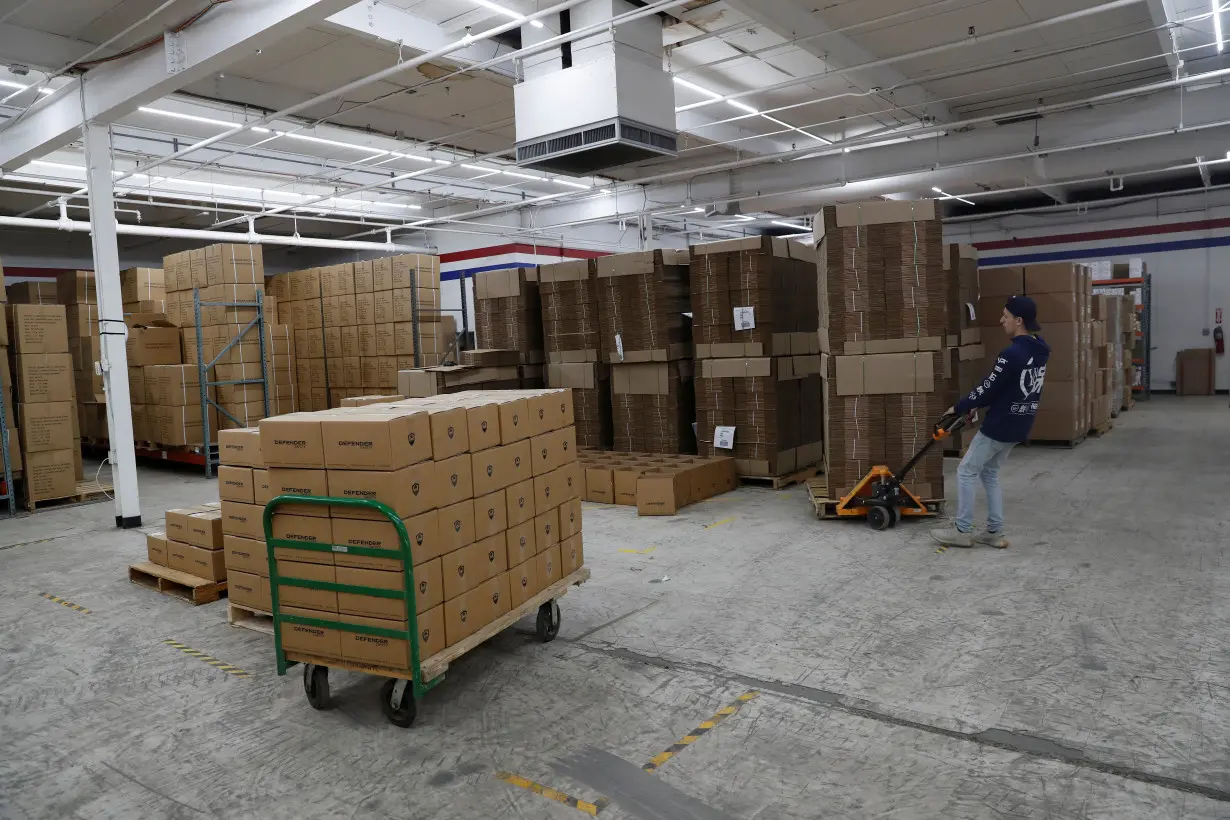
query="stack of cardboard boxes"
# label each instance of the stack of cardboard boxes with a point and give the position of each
(759, 382)
(647, 341)
(165, 392)
(243, 487)
(143, 290)
(884, 320)
(486, 484)
(191, 543)
(963, 350)
(353, 325)
(655, 484)
(46, 406)
(32, 292)
(76, 291)
(508, 317)
(444, 379)
(572, 332)
(6, 382)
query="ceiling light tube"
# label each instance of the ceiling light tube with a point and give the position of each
(953, 196)
(189, 117)
(571, 184)
(1217, 29)
(789, 225)
(507, 12)
(519, 175)
(742, 106)
(713, 95)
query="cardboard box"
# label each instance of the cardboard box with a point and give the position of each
(454, 480)
(156, 545)
(245, 520)
(153, 345)
(428, 591)
(240, 448)
(662, 492)
(499, 467)
(887, 373)
(546, 529)
(46, 426)
(1056, 277)
(45, 377)
(294, 440)
(245, 555)
(204, 529)
(235, 484)
(520, 503)
(553, 450)
(457, 526)
(203, 563)
(423, 531)
(570, 518)
(549, 568)
(1195, 372)
(599, 484)
(286, 481)
(324, 600)
(317, 641)
(141, 284)
(572, 555)
(51, 473)
(408, 492)
(521, 543)
(247, 589)
(474, 609)
(39, 329)
(392, 653)
(523, 582)
(1001, 282)
(466, 568)
(379, 441)
(490, 515)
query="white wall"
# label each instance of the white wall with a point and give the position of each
(1189, 285)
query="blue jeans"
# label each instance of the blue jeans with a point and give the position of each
(982, 462)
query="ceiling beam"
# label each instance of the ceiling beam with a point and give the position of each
(791, 20)
(227, 33)
(1162, 13)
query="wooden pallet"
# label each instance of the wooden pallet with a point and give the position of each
(826, 508)
(86, 491)
(437, 664)
(192, 589)
(1102, 429)
(244, 617)
(778, 482)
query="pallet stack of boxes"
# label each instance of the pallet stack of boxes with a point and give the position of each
(191, 542)
(46, 409)
(1104, 400)
(508, 317)
(76, 290)
(759, 373)
(243, 487)
(6, 381)
(1131, 350)
(353, 325)
(884, 306)
(654, 484)
(963, 349)
(486, 484)
(572, 333)
(647, 342)
(168, 391)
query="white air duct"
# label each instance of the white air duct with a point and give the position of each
(599, 102)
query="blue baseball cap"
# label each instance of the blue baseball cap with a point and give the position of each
(1024, 308)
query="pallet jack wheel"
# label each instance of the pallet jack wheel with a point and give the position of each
(879, 518)
(397, 702)
(316, 685)
(895, 515)
(548, 622)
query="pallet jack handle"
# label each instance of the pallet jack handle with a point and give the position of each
(945, 427)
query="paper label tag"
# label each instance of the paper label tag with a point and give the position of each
(972, 311)
(724, 438)
(745, 318)
(619, 346)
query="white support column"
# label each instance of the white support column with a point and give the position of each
(112, 331)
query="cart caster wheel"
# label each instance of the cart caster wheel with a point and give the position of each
(879, 518)
(895, 516)
(397, 702)
(316, 685)
(547, 626)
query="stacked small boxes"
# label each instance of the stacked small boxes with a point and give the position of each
(32, 292)
(654, 484)
(445, 379)
(508, 317)
(755, 323)
(46, 407)
(572, 332)
(353, 325)
(647, 341)
(143, 290)
(486, 484)
(243, 486)
(884, 319)
(191, 543)
(76, 291)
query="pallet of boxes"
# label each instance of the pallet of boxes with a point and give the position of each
(77, 293)
(884, 326)
(655, 484)
(244, 490)
(964, 353)
(572, 333)
(488, 488)
(6, 386)
(759, 373)
(46, 409)
(356, 325)
(508, 321)
(185, 560)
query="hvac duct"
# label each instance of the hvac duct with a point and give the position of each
(598, 102)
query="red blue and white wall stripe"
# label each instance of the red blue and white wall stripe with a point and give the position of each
(1139, 240)
(505, 257)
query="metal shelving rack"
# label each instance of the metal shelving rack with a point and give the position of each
(10, 492)
(258, 324)
(1142, 356)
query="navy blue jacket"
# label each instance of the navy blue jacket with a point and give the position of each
(1012, 391)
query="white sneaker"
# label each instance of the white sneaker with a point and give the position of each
(992, 539)
(953, 538)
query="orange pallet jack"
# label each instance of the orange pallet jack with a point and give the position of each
(881, 497)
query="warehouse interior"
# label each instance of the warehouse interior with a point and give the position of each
(683, 270)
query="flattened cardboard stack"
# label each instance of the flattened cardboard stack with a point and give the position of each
(655, 484)
(647, 341)
(486, 483)
(572, 333)
(963, 353)
(755, 320)
(508, 315)
(191, 543)
(885, 319)
(353, 325)
(46, 407)
(439, 381)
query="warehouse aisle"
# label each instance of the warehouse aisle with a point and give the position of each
(1059, 678)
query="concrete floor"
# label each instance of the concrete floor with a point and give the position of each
(1081, 674)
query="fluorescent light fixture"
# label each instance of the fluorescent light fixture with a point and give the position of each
(1217, 30)
(789, 225)
(536, 23)
(474, 167)
(20, 87)
(742, 106)
(507, 12)
(259, 130)
(713, 95)
(953, 196)
(334, 143)
(697, 210)
(63, 166)
(571, 184)
(175, 115)
(519, 175)
(608, 190)
(442, 161)
(400, 155)
(745, 218)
